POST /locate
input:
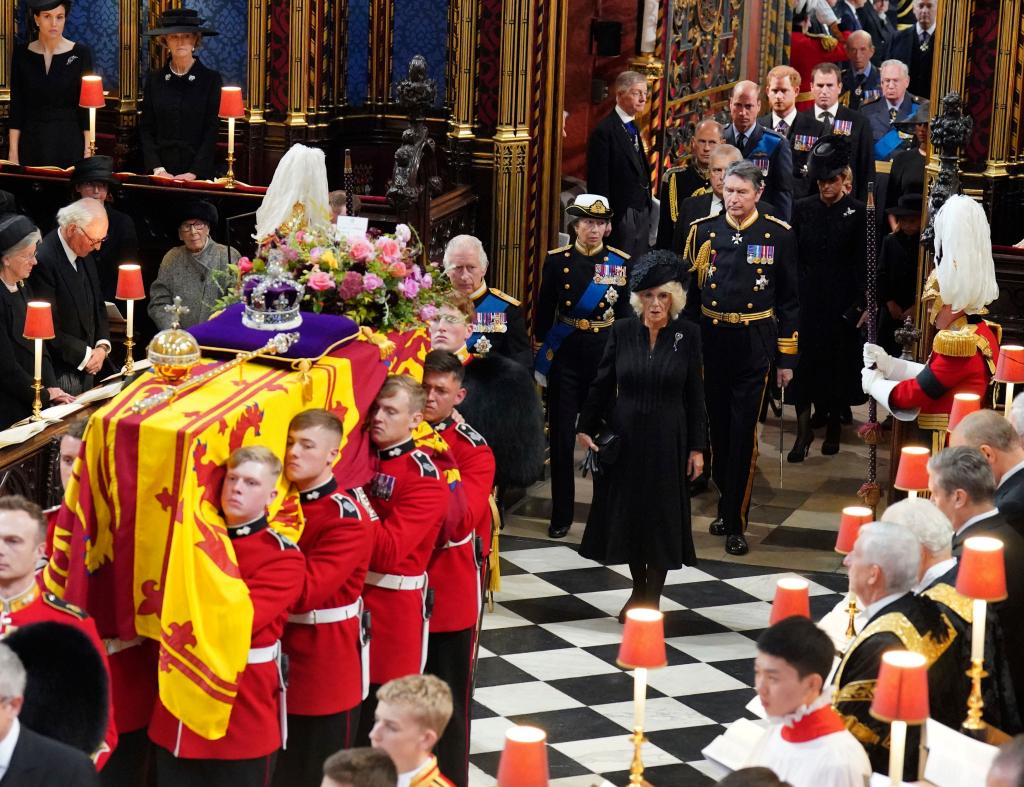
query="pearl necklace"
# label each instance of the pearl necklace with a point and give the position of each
(176, 72)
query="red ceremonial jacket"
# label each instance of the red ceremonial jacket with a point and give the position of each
(806, 51)
(274, 571)
(411, 499)
(453, 570)
(325, 668)
(35, 606)
(955, 365)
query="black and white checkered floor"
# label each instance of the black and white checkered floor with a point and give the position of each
(547, 658)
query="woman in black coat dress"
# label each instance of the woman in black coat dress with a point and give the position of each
(47, 126)
(648, 391)
(178, 126)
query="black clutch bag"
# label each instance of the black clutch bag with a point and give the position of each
(609, 446)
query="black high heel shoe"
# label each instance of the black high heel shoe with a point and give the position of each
(833, 432)
(800, 450)
(804, 437)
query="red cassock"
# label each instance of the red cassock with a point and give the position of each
(274, 571)
(952, 367)
(35, 606)
(325, 665)
(806, 51)
(411, 498)
(453, 569)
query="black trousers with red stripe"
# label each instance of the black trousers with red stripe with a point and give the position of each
(311, 740)
(736, 363)
(450, 657)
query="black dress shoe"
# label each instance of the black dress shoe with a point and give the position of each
(736, 545)
(717, 527)
(833, 434)
(558, 531)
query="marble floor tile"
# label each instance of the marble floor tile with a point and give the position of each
(611, 601)
(523, 586)
(554, 558)
(688, 679)
(716, 647)
(588, 633)
(527, 698)
(739, 617)
(763, 586)
(660, 713)
(488, 735)
(502, 618)
(612, 753)
(554, 664)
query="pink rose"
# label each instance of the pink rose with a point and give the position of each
(389, 249)
(403, 234)
(300, 236)
(245, 265)
(398, 270)
(360, 249)
(372, 281)
(426, 281)
(320, 281)
(409, 288)
(314, 253)
(351, 285)
(428, 312)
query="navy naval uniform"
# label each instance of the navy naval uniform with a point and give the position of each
(581, 295)
(861, 88)
(499, 326)
(677, 185)
(743, 293)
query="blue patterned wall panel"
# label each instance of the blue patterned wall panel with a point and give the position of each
(358, 51)
(93, 23)
(421, 28)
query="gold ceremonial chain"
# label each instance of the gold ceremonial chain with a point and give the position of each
(277, 345)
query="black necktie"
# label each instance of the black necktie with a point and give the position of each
(925, 40)
(826, 118)
(741, 141)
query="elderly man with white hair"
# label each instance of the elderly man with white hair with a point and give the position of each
(498, 326)
(935, 535)
(884, 566)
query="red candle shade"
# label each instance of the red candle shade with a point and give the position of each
(901, 693)
(38, 321)
(524, 761)
(643, 640)
(1010, 366)
(231, 102)
(982, 571)
(791, 598)
(849, 525)
(129, 283)
(912, 473)
(963, 405)
(92, 91)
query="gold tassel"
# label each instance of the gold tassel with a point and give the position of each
(703, 263)
(384, 344)
(307, 379)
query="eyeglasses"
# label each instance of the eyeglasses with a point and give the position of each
(93, 242)
(196, 226)
(447, 319)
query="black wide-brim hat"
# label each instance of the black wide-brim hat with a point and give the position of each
(908, 205)
(656, 268)
(920, 116)
(14, 228)
(829, 157)
(180, 20)
(95, 169)
(198, 209)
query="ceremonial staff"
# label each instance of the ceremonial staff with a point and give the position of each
(871, 432)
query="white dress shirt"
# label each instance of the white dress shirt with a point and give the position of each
(872, 609)
(975, 519)
(788, 119)
(623, 116)
(1015, 469)
(7, 746)
(933, 573)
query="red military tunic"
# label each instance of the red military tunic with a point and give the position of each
(35, 606)
(430, 776)
(453, 570)
(411, 499)
(274, 571)
(961, 361)
(325, 665)
(806, 51)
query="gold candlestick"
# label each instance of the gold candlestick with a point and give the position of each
(851, 607)
(37, 403)
(636, 767)
(973, 724)
(229, 181)
(129, 362)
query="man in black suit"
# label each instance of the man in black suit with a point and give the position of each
(66, 277)
(915, 46)
(876, 24)
(861, 78)
(994, 436)
(763, 147)
(617, 166)
(826, 81)
(26, 758)
(962, 488)
(799, 129)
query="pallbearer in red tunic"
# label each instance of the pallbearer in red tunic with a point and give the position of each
(808, 746)
(966, 348)
(22, 542)
(323, 639)
(274, 571)
(453, 569)
(411, 498)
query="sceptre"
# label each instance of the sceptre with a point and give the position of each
(871, 432)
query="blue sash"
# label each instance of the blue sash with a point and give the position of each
(559, 330)
(887, 145)
(766, 144)
(491, 304)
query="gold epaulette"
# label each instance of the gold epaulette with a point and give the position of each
(705, 218)
(64, 606)
(844, 98)
(673, 195)
(946, 595)
(620, 252)
(504, 296)
(956, 344)
(997, 330)
(701, 191)
(789, 346)
(560, 249)
(777, 220)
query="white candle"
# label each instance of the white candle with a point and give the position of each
(978, 631)
(898, 742)
(131, 318)
(1009, 398)
(39, 359)
(92, 128)
(231, 136)
(912, 493)
(639, 696)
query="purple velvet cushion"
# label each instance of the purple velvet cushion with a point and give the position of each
(317, 334)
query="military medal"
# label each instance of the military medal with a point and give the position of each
(737, 238)
(611, 295)
(761, 282)
(382, 486)
(490, 322)
(610, 274)
(758, 254)
(859, 90)
(761, 162)
(844, 127)
(803, 142)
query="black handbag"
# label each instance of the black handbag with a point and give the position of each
(609, 446)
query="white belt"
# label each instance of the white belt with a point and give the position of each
(263, 656)
(464, 541)
(333, 615)
(113, 646)
(396, 581)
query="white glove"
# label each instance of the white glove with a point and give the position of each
(868, 377)
(820, 8)
(873, 354)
